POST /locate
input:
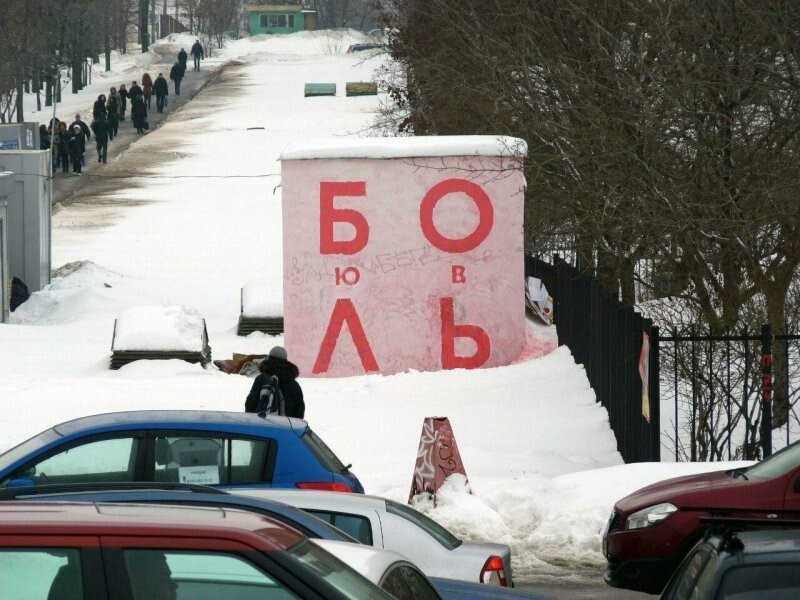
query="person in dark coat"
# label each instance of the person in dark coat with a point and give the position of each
(44, 137)
(277, 364)
(197, 54)
(77, 146)
(102, 133)
(182, 58)
(86, 134)
(112, 105)
(161, 88)
(147, 89)
(176, 74)
(133, 93)
(138, 113)
(99, 109)
(123, 101)
(63, 137)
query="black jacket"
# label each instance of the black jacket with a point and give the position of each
(138, 112)
(197, 50)
(84, 127)
(160, 86)
(182, 58)
(177, 71)
(76, 145)
(101, 129)
(99, 109)
(134, 92)
(286, 373)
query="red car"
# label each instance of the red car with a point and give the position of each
(652, 529)
(96, 551)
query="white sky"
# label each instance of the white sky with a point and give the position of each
(538, 450)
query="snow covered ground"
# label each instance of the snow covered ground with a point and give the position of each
(538, 451)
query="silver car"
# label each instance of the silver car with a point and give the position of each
(389, 525)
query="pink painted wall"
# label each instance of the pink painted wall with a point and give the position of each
(379, 295)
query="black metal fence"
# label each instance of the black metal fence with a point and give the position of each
(721, 388)
(607, 337)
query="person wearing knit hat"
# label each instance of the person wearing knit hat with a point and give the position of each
(277, 364)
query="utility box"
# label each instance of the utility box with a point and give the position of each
(19, 136)
(5, 277)
(30, 197)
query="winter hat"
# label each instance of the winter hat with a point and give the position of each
(278, 352)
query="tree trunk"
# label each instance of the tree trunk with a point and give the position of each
(20, 98)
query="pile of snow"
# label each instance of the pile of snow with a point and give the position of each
(262, 298)
(154, 328)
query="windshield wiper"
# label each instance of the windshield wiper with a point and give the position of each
(736, 473)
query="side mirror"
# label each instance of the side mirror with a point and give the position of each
(797, 485)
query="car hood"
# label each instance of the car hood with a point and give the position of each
(685, 490)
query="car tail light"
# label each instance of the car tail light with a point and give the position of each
(324, 485)
(494, 572)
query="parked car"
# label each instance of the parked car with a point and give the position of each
(393, 526)
(744, 565)
(178, 495)
(652, 529)
(226, 449)
(402, 579)
(95, 551)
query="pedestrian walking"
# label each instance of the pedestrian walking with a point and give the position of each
(133, 92)
(55, 146)
(139, 114)
(147, 89)
(77, 147)
(123, 101)
(112, 105)
(161, 88)
(182, 58)
(99, 109)
(63, 145)
(176, 74)
(197, 54)
(102, 130)
(44, 137)
(277, 364)
(86, 133)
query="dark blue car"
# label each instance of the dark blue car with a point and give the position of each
(221, 449)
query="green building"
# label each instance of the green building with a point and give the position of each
(280, 17)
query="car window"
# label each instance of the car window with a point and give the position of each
(41, 573)
(685, 579)
(198, 575)
(19, 452)
(404, 582)
(341, 576)
(439, 533)
(355, 526)
(102, 459)
(757, 582)
(210, 459)
(322, 453)
(777, 464)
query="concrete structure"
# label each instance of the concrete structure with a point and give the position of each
(403, 253)
(29, 215)
(280, 17)
(5, 277)
(19, 136)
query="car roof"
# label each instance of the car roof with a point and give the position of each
(318, 498)
(97, 518)
(144, 418)
(371, 562)
(141, 494)
(769, 541)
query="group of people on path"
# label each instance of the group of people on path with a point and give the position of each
(178, 70)
(68, 142)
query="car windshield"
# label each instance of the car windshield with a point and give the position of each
(778, 464)
(28, 447)
(345, 579)
(444, 537)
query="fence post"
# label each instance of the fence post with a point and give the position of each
(766, 390)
